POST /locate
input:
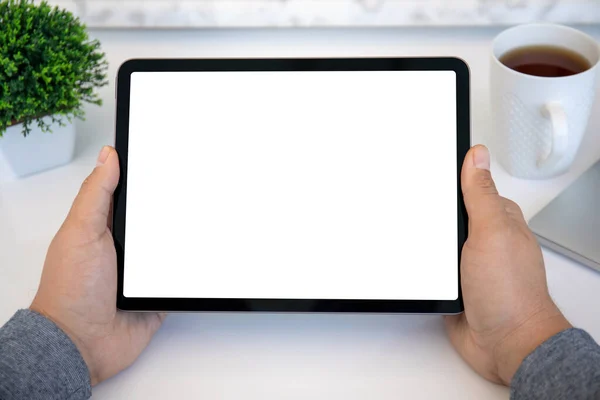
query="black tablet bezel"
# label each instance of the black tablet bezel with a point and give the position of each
(305, 64)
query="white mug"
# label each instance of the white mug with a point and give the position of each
(539, 121)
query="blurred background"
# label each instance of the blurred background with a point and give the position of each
(326, 13)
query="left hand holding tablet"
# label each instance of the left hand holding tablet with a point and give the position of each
(79, 281)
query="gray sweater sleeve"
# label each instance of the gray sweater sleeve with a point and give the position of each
(566, 366)
(39, 361)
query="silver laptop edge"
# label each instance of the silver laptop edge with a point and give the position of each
(570, 223)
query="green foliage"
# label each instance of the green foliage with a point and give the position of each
(48, 65)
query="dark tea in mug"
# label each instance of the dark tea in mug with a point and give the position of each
(546, 61)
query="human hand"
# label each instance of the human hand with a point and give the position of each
(78, 289)
(508, 310)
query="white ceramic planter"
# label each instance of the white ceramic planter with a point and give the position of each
(38, 151)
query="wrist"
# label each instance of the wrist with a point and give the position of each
(521, 342)
(78, 343)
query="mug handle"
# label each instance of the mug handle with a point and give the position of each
(560, 137)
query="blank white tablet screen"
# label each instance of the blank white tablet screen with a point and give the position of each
(295, 185)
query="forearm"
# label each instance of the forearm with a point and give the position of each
(566, 366)
(39, 361)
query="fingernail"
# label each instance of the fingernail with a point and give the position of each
(103, 156)
(481, 157)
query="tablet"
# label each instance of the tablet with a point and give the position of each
(292, 185)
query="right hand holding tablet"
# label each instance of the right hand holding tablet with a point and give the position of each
(508, 310)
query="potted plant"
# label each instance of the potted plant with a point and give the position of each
(48, 69)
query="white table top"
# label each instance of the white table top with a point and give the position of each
(283, 356)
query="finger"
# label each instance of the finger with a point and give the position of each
(109, 219)
(512, 209)
(456, 329)
(479, 191)
(152, 322)
(453, 326)
(461, 338)
(93, 202)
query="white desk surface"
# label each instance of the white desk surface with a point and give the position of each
(283, 356)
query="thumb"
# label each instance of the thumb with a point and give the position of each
(91, 207)
(479, 191)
